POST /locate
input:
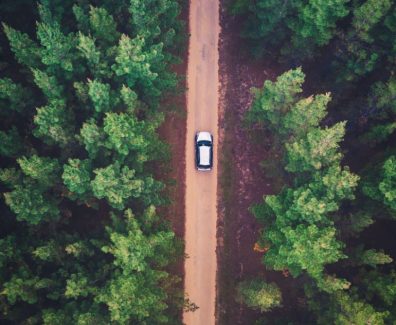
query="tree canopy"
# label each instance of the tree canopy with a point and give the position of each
(80, 236)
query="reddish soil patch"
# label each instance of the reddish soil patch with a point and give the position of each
(173, 132)
(241, 179)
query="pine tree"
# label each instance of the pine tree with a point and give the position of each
(304, 248)
(380, 185)
(373, 257)
(100, 95)
(48, 84)
(67, 167)
(26, 51)
(31, 204)
(11, 143)
(13, 96)
(117, 184)
(367, 16)
(125, 133)
(57, 48)
(45, 171)
(319, 149)
(316, 22)
(54, 124)
(77, 176)
(135, 64)
(276, 99)
(259, 294)
(343, 308)
(92, 137)
(103, 26)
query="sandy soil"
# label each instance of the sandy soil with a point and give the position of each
(201, 187)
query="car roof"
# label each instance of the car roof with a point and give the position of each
(204, 155)
(204, 136)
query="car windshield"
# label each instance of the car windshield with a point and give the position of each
(204, 143)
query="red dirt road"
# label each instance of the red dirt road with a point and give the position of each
(201, 187)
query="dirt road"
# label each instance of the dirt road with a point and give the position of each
(201, 187)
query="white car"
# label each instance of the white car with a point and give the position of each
(204, 151)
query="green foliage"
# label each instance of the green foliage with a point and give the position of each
(302, 248)
(318, 150)
(50, 251)
(368, 15)
(57, 48)
(86, 45)
(129, 98)
(91, 136)
(381, 285)
(331, 284)
(335, 184)
(387, 186)
(266, 18)
(379, 133)
(345, 309)
(312, 203)
(117, 184)
(22, 286)
(125, 134)
(156, 21)
(306, 114)
(25, 50)
(48, 84)
(31, 204)
(299, 25)
(316, 22)
(11, 143)
(354, 47)
(45, 171)
(360, 55)
(81, 18)
(54, 124)
(81, 90)
(77, 176)
(133, 295)
(77, 286)
(276, 98)
(13, 96)
(300, 233)
(100, 95)
(11, 177)
(373, 258)
(381, 184)
(80, 249)
(103, 26)
(356, 223)
(132, 248)
(135, 64)
(260, 295)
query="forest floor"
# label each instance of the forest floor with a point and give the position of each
(242, 181)
(173, 131)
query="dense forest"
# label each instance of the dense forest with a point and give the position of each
(331, 121)
(81, 93)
